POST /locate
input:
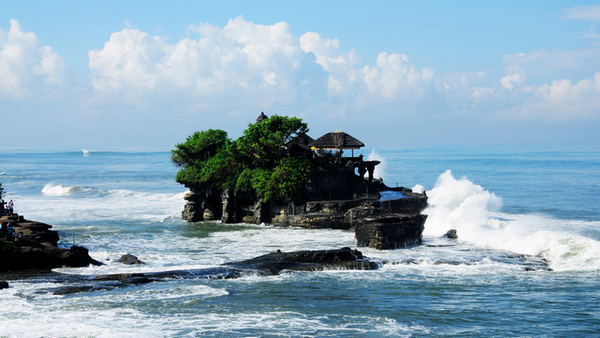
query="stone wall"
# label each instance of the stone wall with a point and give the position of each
(390, 231)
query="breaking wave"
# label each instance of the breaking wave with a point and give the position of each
(52, 189)
(476, 215)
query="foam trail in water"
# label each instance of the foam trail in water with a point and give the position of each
(475, 213)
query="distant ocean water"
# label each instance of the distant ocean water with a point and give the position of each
(506, 202)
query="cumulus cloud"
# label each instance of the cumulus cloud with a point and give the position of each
(341, 66)
(128, 59)
(392, 77)
(510, 80)
(561, 100)
(244, 64)
(395, 77)
(24, 64)
(242, 56)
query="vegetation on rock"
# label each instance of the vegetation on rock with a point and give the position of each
(6, 247)
(257, 162)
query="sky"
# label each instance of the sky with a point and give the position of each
(143, 75)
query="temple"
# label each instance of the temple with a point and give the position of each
(341, 194)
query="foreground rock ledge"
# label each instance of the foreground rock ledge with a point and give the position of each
(266, 265)
(38, 249)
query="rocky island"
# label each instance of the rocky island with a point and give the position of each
(276, 174)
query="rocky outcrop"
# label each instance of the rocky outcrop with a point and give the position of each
(390, 231)
(129, 259)
(275, 262)
(37, 248)
(335, 199)
(266, 265)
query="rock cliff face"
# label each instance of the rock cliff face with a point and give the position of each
(37, 249)
(336, 199)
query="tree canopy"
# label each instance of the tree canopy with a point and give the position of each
(256, 162)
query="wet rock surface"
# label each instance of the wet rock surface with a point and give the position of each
(268, 265)
(36, 248)
(130, 259)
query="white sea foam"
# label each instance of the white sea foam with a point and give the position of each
(87, 153)
(65, 203)
(52, 189)
(475, 213)
(380, 169)
(418, 189)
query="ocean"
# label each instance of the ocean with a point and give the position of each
(526, 263)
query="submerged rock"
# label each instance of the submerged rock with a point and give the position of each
(129, 259)
(275, 262)
(451, 234)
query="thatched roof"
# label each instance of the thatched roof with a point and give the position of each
(300, 144)
(261, 117)
(337, 140)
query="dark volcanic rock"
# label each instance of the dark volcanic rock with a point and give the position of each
(451, 234)
(3, 285)
(390, 231)
(130, 260)
(266, 265)
(275, 262)
(37, 249)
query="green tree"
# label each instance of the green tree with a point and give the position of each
(256, 162)
(207, 157)
(263, 143)
(200, 146)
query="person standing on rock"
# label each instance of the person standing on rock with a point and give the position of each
(11, 207)
(10, 232)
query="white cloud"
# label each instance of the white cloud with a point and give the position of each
(394, 77)
(240, 59)
(128, 59)
(327, 52)
(244, 65)
(508, 81)
(561, 100)
(480, 94)
(458, 85)
(588, 13)
(589, 33)
(24, 64)
(550, 59)
(343, 67)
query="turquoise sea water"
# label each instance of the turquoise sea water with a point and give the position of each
(514, 208)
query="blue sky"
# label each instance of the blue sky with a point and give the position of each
(142, 75)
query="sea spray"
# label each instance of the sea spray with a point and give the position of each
(458, 204)
(475, 213)
(380, 169)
